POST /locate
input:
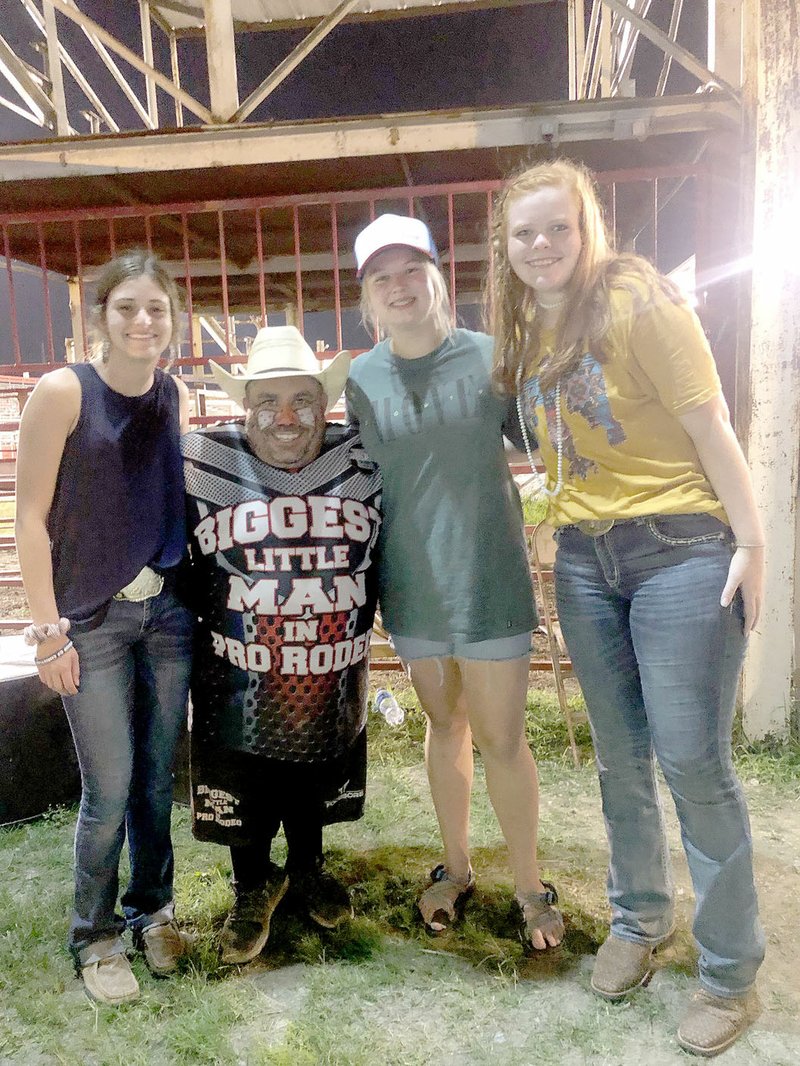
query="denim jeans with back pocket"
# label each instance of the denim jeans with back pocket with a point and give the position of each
(658, 660)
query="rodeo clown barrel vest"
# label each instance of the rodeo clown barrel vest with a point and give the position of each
(283, 581)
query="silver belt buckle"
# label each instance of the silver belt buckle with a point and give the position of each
(146, 584)
(595, 527)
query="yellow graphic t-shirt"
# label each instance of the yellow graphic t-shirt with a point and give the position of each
(624, 452)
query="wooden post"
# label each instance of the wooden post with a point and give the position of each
(176, 75)
(147, 55)
(725, 31)
(55, 72)
(199, 372)
(769, 406)
(78, 340)
(576, 30)
(221, 52)
(605, 53)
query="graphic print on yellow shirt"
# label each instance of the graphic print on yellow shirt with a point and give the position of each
(584, 393)
(624, 451)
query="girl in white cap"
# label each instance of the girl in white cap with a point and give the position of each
(455, 587)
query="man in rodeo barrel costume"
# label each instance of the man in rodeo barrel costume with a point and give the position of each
(283, 520)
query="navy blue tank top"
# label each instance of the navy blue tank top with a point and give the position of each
(119, 498)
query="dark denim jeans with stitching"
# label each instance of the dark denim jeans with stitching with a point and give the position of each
(658, 660)
(126, 721)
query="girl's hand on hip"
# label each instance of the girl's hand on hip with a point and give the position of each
(746, 572)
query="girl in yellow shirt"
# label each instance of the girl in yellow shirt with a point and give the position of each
(658, 573)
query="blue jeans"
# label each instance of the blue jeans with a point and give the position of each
(658, 660)
(126, 721)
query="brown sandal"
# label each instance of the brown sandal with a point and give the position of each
(445, 899)
(539, 912)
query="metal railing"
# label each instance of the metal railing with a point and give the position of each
(250, 262)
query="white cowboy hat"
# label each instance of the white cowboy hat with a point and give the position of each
(281, 352)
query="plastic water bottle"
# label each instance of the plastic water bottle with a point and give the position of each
(387, 705)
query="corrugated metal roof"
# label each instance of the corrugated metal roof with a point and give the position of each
(189, 14)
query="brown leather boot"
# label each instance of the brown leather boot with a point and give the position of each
(110, 980)
(712, 1023)
(246, 928)
(621, 967)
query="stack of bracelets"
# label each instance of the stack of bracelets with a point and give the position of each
(37, 634)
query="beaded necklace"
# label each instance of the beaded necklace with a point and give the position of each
(559, 440)
(551, 305)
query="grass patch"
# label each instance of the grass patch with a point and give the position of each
(534, 509)
(769, 764)
(545, 727)
(378, 990)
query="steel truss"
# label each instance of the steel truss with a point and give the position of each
(602, 39)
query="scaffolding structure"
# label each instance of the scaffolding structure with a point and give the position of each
(127, 167)
(600, 43)
(122, 123)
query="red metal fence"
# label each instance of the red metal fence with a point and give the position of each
(247, 262)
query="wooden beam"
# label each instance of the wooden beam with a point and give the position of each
(624, 59)
(36, 119)
(617, 119)
(176, 75)
(147, 55)
(29, 90)
(674, 23)
(725, 33)
(74, 70)
(671, 48)
(590, 54)
(277, 25)
(111, 66)
(54, 71)
(576, 30)
(295, 57)
(221, 57)
(93, 29)
(605, 54)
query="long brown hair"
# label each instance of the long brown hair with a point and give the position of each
(586, 315)
(136, 263)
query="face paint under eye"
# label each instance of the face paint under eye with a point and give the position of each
(306, 416)
(265, 419)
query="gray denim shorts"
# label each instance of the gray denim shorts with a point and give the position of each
(498, 650)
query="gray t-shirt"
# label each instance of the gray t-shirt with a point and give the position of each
(452, 558)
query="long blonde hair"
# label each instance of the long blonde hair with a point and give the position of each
(441, 313)
(586, 314)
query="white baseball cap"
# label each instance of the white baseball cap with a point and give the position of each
(393, 231)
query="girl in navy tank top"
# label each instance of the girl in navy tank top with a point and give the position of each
(100, 530)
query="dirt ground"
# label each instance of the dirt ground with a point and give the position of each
(548, 1019)
(12, 601)
(776, 836)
